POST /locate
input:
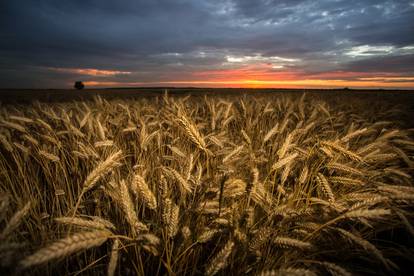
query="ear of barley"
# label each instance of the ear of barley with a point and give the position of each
(285, 146)
(128, 207)
(192, 132)
(183, 184)
(308, 128)
(262, 236)
(150, 239)
(104, 222)
(324, 109)
(6, 144)
(186, 233)
(377, 157)
(354, 134)
(339, 148)
(221, 221)
(21, 119)
(14, 126)
(140, 187)
(49, 156)
(346, 180)
(229, 157)
(80, 154)
(129, 129)
(371, 201)
(326, 151)
(326, 188)
(148, 138)
(303, 175)
(261, 197)
(177, 151)
(220, 260)
(344, 168)
(162, 190)
(75, 131)
(209, 207)
(286, 242)
(52, 140)
(173, 222)
(227, 121)
(311, 226)
(390, 134)
(163, 206)
(85, 223)
(113, 261)
(397, 189)
(246, 137)
(334, 205)
(228, 110)
(15, 221)
(31, 139)
(234, 188)
(284, 161)
(101, 130)
(370, 148)
(255, 175)
(84, 120)
(285, 173)
(243, 107)
(106, 143)
(271, 133)
(207, 235)
(366, 213)
(67, 246)
(44, 124)
(102, 169)
(284, 123)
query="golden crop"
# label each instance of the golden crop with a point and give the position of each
(268, 185)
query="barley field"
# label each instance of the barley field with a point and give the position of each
(286, 184)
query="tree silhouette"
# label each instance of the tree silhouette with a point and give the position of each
(79, 85)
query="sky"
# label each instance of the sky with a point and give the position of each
(207, 43)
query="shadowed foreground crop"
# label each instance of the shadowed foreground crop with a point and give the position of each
(271, 185)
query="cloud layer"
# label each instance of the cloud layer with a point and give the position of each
(277, 43)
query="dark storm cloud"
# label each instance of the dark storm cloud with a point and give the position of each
(393, 64)
(158, 40)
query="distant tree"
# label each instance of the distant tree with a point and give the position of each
(79, 85)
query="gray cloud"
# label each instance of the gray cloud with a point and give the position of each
(165, 39)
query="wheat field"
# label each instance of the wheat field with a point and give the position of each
(213, 185)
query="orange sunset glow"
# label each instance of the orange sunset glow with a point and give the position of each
(248, 78)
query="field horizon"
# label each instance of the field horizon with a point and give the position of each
(16, 95)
